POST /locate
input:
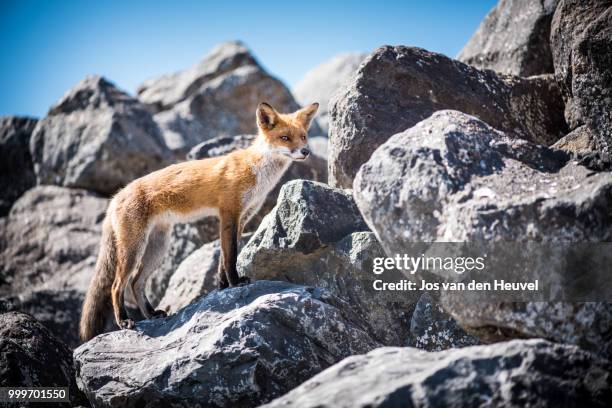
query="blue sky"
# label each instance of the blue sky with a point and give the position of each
(48, 46)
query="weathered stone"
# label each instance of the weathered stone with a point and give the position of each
(30, 356)
(16, 168)
(217, 97)
(321, 82)
(513, 39)
(532, 373)
(98, 138)
(396, 87)
(581, 39)
(239, 347)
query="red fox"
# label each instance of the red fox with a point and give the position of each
(140, 217)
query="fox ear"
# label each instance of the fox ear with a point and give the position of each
(267, 117)
(306, 114)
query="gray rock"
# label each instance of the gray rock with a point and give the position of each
(533, 373)
(581, 39)
(217, 97)
(452, 178)
(513, 39)
(321, 82)
(239, 347)
(432, 329)
(396, 87)
(313, 168)
(16, 169)
(98, 138)
(578, 142)
(30, 356)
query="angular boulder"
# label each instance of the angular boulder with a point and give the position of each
(217, 97)
(98, 138)
(453, 178)
(513, 39)
(581, 39)
(30, 356)
(239, 347)
(16, 169)
(321, 82)
(513, 374)
(396, 87)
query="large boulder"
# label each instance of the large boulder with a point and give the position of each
(321, 82)
(453, 178)
(30, 356)
(313, 168)
(239, 347)
(316, 236)
(16, 168)
(513, 39)
(396, 87)
(98, 138)
(532, 373)
(581, 39)
(216, 97)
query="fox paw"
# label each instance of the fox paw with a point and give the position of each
(158, 314)
(244, 280)
(126, 324)
(223, 285)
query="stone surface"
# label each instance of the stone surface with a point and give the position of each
(96, 137)
(215, 98)
(239, 347)
(581, 39)
(396, 87)
(321, 82)
(30, 356)
(532, 373)
(16, 168)
(513, 39)
(452, 178)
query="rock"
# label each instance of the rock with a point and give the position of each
(30, 356)
(98, 138)
(315, 236)
(578, 142)
(196, 276)
(453, 178)
(432, 329)
(313, 168)
(16, 169)
(581, 38)
(396, 87)
(217, 97)
(513, 39)
(532, 373)
(239, 347)
(320, 83)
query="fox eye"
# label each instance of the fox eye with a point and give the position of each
(304, 138)
(285, 138)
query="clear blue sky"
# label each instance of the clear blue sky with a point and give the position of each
(48, 46)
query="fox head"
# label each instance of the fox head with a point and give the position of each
(286, 134)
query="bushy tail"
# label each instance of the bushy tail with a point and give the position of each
(97, 300)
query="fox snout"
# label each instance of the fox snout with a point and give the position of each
(300, 154)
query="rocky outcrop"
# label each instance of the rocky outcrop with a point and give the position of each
(396, 87)
(98, 138)
(321, 82)
(513, 374)
(316, 236)
(30, 356)
(581, 38)
(313, 168)
(215, 98)
(453, 178)
(239, 347)
(513, 39)
(16, 168)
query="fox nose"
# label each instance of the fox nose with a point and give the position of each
(305, 151)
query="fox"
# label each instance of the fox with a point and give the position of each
(140, 217)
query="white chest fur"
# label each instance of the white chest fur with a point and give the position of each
(268, 172)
